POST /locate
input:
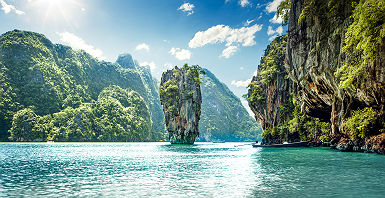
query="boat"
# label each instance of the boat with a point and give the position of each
(292, 144)
(219, 142)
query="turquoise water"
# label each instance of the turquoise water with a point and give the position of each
(200, 170)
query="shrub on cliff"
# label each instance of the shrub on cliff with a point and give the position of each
(361, 122)
(362, 39)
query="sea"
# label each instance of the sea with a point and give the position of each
(201, 170)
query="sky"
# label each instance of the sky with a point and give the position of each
(228, 37)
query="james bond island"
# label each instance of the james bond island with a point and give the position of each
(181, 98)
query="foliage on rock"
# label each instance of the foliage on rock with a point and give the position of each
(181, 98)
(363, 39)
(361, 123)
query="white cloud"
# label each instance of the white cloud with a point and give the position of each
(241, 68)
(142, 46)
(78, 43)
(83, 9)
(168, 65)
(151, 64)
(187, 8)
(273, 6)
(255, 72)
(7, 8)
(246, 105)
(229, 51)
(275, 33)
(222, 33)
(272, 37)
(279, 30)
(248, 22)
(241, 83)
(271, 31)
(244, 3)
(180, 54)
(276, 19)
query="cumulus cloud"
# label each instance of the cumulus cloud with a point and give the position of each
(275, 33)
(151, 64)
(168, 65)
(276, 19)
(248, 22)
(142, 46)
(255, 72)
(271, 31)
(78, 43)
(7, 8)
(180, 54)
(241, 83)
(222, 33)
(273, 6)
(241, 68)
(244, 3)
(229, 51)
(187, 8)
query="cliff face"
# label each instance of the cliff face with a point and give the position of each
(270, 90)
(223, 116)
(314, 53)
(180, 95)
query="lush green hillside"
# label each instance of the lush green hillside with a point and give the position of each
(39, 79)
(223, 116)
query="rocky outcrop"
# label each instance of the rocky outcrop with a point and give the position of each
(269, 92)
(314, 52)
(180, 96)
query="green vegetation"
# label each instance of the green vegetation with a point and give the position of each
(118, 115)
(299, 126)
(268, 69)
(46, 87)
(361, 123)
(170, 91)
(284, 11)
(362, 39)
(223, 116)
(293, 125)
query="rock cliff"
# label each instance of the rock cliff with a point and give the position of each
(315, 51)
(270, 90)
(180, 96)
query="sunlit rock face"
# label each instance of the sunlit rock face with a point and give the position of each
(314, 52)
(180, 96)
(273, 94)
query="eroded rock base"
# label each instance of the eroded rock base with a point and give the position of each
(182, 139)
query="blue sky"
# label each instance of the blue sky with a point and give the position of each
(228, 37)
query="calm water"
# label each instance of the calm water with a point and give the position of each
(200, 170)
